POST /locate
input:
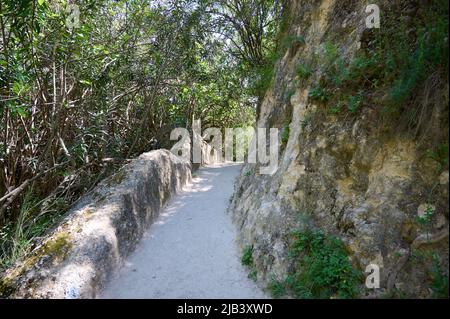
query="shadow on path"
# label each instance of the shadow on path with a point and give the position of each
(190, 250)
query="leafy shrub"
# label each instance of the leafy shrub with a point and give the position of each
(354, 103)
(427, 218)
(364, 67)
(17, 239)
(440, 155)
(247, 258)
(276, 288)
(317, 93)
(431, 52)
(321, 267)
(337, 108)
(303, 71)
(393, 63)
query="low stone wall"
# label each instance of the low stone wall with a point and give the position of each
(79, 256)
(209, 155)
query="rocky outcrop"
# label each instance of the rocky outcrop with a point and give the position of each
(79, 256)
(351, 176)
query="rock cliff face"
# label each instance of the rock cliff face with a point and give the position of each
(358, 175)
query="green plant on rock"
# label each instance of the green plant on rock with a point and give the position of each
(416, 66)
(354, 103)
(247, 260)
(288, 94)
(17, 239)
(427, 218)
(264, 75)
(247, 256)
(391, 65)
(440, 155)
(317, 93)
(291, 40)
(253, 275)
(363, 67)
(439, 286)
(306, 121)
(285, 134)
(276, 288)
(330, 54)
(321, 267)
(336, 109)
(303, 71)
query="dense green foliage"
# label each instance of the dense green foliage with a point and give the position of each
(77, 98)
(321, 268)
(393, 63)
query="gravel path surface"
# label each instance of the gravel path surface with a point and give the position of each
(190, 251)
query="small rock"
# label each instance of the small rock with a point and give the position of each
(399, 285)
(30, 275)
(440, 221)
(321, 142)
(378, 260)
(443, 179)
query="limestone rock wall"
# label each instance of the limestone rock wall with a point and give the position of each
(97, 234)
(345, 176)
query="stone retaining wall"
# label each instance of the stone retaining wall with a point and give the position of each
(80, 255)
